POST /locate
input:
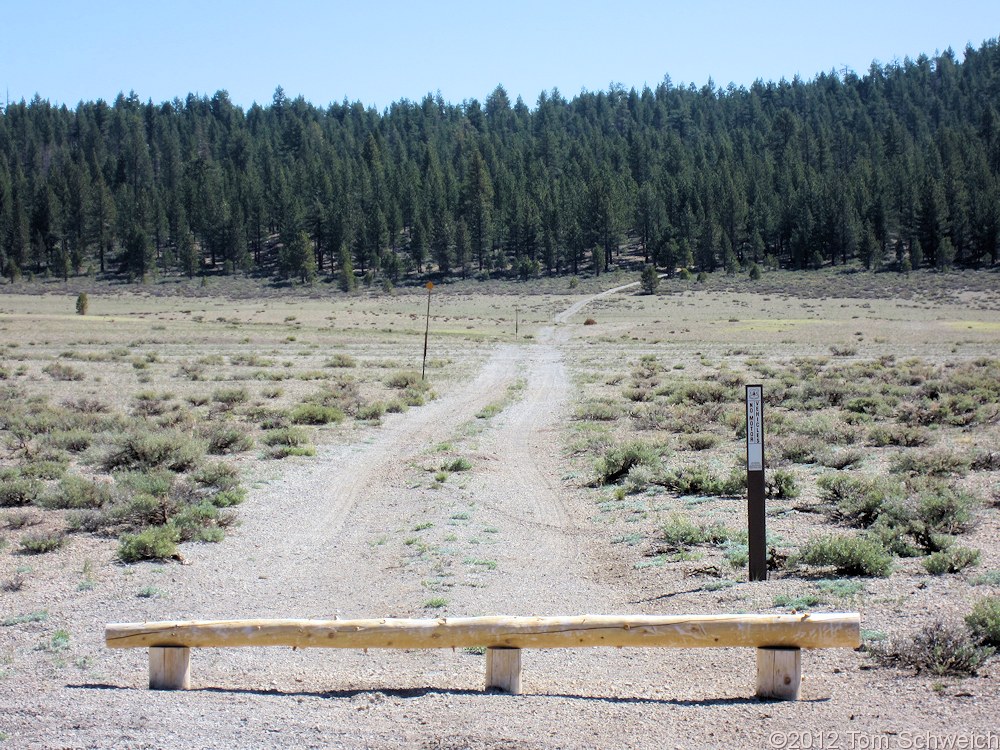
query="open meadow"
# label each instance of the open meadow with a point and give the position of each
(193, 453)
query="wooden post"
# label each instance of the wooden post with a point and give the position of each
(779, 673)
(503, 669)
(427, 329)
(169, 668)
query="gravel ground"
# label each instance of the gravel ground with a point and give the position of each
(364, 530)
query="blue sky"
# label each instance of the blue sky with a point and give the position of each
(387, 51)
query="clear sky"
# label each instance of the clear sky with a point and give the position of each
(381, 52)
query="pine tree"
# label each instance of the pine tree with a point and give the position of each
(345, 276)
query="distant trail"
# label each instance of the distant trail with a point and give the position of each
(573, 309)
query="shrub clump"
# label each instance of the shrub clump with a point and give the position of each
(78, 493)
(848, 555)
(39, 544)
(938, 463)
(341, 360)
(984, 620)
(316, 414)
(154, 543)
(288, 441)
(223, 439)
(699, 480)
(17, 491)
(598, 411)
(859, 501)
(141, 451)
(618, 460)
(951, 560)
(403, 380)
(285, 436)
(230, 396)
(59, 371)
(679, 533)
(939, 649)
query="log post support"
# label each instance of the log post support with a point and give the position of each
(779, 673)
(169, 668)
(503, 669)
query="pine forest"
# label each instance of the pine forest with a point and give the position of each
(894, 169)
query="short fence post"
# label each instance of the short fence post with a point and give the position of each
(779, 673)
(169, 668)
(503, 669)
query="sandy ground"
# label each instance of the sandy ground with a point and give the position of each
(366, 531)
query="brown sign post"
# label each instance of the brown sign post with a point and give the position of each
(756, 527)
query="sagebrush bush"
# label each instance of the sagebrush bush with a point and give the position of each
(951, 560)
(619, 459)
(157, 483)
(372, 412)
(154, 543)
(414, 397)
(285, 436)
(842, 459)
(937, 463)
(701, 441)
(942, 509)
(284, 451)
(403, 380)
(316, 414)
(53, 467)
(218, 476)
(222, 439)
(679, 533)
(940, 649)
(341, 360)
(201, 522)
(860, 501)
(140, 511)
(74, 441)
(700, 480)
(142, 451)
(18, 491)
(230, 396)
(900, 435)
(799, 449)
(78, 493)
(848, 555)
(700, 392)
(59, 371)
(397, 406)
(598, 411)
(39, 544)
(984, 620)
(778, 484)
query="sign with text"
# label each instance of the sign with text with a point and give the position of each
(755, 428)
(756, 516)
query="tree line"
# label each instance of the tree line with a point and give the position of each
(897, 168)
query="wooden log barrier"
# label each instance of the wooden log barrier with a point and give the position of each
(778, 638)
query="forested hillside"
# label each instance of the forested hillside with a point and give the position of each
(897, 168)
